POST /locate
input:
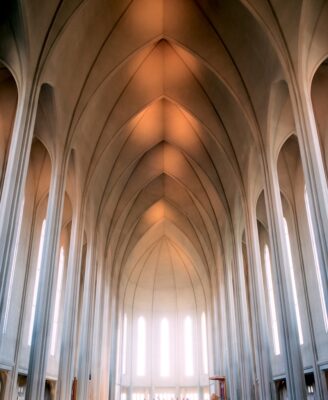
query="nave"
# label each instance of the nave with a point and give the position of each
(163, 199)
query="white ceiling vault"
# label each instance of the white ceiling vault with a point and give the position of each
(166, 105)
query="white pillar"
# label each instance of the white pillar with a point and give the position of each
(68, 340)
(113, 346)
(289, 338)
(314, 172)
(247, 367)
(23, 314)
(215, 337)
(98, 323)
(13, 187)
(84, 359)
(233, 339)
(263, 376)
(43, 313)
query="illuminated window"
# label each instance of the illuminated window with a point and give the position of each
(191, 396)
(316, 261)
(141, 348)
(188, 347)
(12, 272)
(206, 393)
(292, 275)
(204, 343)
(125, 332)
(36, 283)
(168, 395)
(139, 396)
(272, 305)
(165, 347)
(57, 301)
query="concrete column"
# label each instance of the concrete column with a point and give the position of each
(68, 341)
(200, 393)
(113, 345)
(105, 350)
(178, 394)
(86, 322)
(320, 381)
(43, 313)
(233, 340)
(289, 338)
(129, 394)
(98, 323)
(13, 187)
(224, 356)
(314, 173)
(263, 376)
(228, 351)
(247, 367)
(214, 331)
(23, 314)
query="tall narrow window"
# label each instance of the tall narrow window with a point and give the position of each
(204, 343)
(164, 395)
(140, 396)
(292, 275)
(206, 393)
(272, 304)
(57, 301)
(316, 261)
(141, 348)
(125, 332)
(192, 395)
(188, 347)
(13, 268)
(36, 283)
(165, 348)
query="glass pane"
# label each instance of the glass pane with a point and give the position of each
(141, 349)
(204, 343)
(165, 348)
(36, 283)
(57, 302)
(316, 261)
(292, 275)
(189, 359)
(272, 304)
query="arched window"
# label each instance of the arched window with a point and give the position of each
(292, 275)
(141, 348)
(125, 332)
(188, 347)
(165, 348)
(12, 272)
(272, 304)
(36, 282)
(57, 301)
(204, 343)
(316, 260)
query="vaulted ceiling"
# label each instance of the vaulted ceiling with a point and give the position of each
(165, 103)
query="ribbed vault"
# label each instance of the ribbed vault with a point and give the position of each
(162, 141)
(163, 125)
(167, 154)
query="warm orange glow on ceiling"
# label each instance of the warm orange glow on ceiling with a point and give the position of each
(155, 213)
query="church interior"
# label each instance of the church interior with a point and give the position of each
(163, 199)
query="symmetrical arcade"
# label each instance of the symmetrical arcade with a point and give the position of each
(163, 199)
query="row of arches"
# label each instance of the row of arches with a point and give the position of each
(155, 140)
